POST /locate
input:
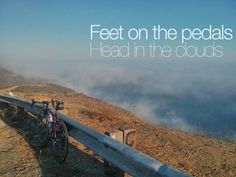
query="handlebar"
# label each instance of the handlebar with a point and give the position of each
(54, 103)
(40, 102)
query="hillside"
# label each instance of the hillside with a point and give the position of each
(10, 78)
(196, 154)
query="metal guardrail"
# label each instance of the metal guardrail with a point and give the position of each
(133, 162)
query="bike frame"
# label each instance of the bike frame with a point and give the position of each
(46, 111)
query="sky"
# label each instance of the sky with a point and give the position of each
(58, 29)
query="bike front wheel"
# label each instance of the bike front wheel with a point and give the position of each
(43, 131)
(60, 142)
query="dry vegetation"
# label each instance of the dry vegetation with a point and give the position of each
(196, 154)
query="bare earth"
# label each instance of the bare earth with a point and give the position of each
(21, 154)
(195, 154)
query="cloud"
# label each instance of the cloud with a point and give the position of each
(191, 95)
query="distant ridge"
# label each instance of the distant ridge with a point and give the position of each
(9, 78)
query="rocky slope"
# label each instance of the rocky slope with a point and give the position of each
(198, 155)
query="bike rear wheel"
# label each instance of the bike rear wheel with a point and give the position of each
(43, 131)
(60, 142)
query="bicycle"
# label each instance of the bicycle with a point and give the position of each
(50, 127)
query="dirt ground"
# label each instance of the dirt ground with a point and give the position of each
(196, 154)
(21, 154)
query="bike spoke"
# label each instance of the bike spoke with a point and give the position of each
(60, 146)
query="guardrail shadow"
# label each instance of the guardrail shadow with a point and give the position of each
(79, 163)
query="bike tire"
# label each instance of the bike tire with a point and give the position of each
(60, 144)
(43, 132)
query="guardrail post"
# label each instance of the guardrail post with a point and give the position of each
(129, 137)
(124, 136)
